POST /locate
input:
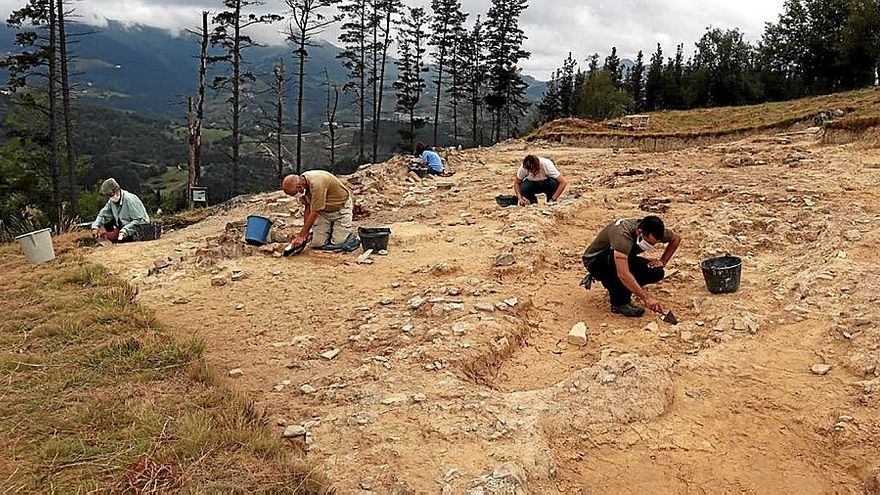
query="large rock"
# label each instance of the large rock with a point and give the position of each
(578, 334)
(505, 259)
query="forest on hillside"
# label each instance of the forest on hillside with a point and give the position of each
(815, 47)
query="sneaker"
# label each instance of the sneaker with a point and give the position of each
(628, 309)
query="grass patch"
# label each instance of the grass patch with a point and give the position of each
(863, 107)
(97, 396)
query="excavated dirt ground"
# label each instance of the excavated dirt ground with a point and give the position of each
(442, 386)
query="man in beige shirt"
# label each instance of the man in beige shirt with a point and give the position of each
(329, 208)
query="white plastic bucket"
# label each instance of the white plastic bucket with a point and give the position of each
(37, 246)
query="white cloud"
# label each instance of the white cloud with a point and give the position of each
(554, 27)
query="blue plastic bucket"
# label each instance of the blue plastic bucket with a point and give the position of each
(257, 232)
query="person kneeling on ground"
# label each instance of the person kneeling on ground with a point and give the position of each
(538, 175)
(122, 218)
(329, 209)
(431, 160)
(613, 259)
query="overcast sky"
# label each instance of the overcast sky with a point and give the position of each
(553, 27)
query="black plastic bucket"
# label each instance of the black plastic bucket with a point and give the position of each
(504, 200)
(374, 238)
(722, 274)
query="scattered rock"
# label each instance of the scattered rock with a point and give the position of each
(852, 235)
(416, 302)
(396, 400)
(419, 398)
(237, 372)
(507, 478)
(461, 328)
(820, 369)
(294, 431)
(607, 377)
(386, 302)
(364, 259)
(331, 354)
(512, 302)
(239, 307)
(160, 264)
(505, 259)
(578, 334)
(651, 327)
(219, 281)
(486, 307)
(687, 336)
(307, 389)
(236, 276)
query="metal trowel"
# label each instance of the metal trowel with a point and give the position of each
(670, 318)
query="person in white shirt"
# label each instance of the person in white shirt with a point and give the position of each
(538, 175)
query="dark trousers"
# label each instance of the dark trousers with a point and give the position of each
(530, 189)
(603, 269)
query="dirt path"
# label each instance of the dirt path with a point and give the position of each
(441, 385)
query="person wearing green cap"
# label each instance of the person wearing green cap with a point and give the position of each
(123, 215)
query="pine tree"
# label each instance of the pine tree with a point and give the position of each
(636, 83)
(308, 20)
(354, 37)
(567, 89)
(592, 65)
(654, 81)
(386, 11)
(38, 60)
(504, 39)
(457, 70)
(229, 36)
(614, 68)
(412, 45)
(69, 154)
(474, 78)
(446, 15)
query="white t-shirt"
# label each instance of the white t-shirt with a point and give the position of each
(546, 169)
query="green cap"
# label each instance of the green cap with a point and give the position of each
(109, 186)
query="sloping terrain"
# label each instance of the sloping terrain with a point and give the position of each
(453, 373)
(860, 108)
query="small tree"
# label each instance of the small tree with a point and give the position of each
(601, 99)
(330, 107)
(636, 83)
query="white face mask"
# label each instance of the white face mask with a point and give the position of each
(116, 197)
(299, 195)
(643, 244)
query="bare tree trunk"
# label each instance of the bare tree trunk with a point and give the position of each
(385, 43)
(439, 92)
(191, 151)
(279, 121)
(299, 102)
(375, 77)
(236, 100)
(72, 183)
(53, 120)
(200, 105)
(363, 85)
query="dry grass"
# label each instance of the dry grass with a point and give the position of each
(863, 108)
(96, 395)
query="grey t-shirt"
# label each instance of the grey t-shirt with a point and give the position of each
(619, 236)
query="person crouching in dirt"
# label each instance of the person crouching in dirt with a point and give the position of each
(613, 259)
(538, 175)
(329, 206)
(430, 159)
(122, 218)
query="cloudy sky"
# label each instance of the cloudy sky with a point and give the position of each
(554, 27)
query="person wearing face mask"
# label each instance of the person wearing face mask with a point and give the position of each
(613, 259)
(122, 218)
(329, 207)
